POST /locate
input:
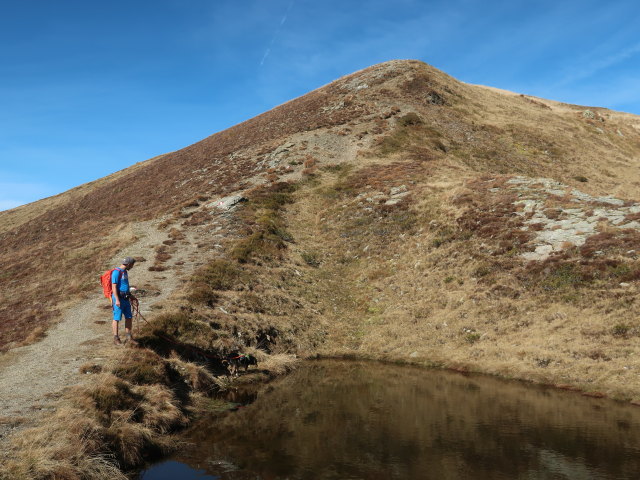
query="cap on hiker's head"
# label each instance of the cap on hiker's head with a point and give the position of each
(128, 261)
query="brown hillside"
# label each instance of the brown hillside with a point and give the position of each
(44, 242)
(396, 214)
(420, 225)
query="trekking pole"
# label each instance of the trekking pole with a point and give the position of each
(135, 305)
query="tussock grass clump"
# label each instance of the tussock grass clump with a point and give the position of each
(562, 277)
(621, 330)
(175, 234)
(133, 430)
(143, 367)
(311, 258)
(278, 364)
(184, 327)
(196, 376)
(338, 189)
(409, 119)
(111, 425)
(273, 225)
(337, 168)
(89, 368)
(202, 294)
(111, 394)
(67, 447)
(221, 275)
(472, 337)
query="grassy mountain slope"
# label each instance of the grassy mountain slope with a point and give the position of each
(395, 213)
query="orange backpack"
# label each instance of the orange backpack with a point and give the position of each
(105, 281)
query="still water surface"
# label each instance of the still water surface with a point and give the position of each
(353, 420)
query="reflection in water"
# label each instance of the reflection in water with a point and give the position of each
(352, 420)
(174, 470)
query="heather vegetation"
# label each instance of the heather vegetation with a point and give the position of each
(395, 214)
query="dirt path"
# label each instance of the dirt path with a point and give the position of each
(34, 376)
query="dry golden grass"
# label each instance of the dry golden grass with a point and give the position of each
(439, 284)
(43, 284)
(399, 254)
(412, 110)
(196, 376)
(279, 364)
(111, 424)
(67, 447)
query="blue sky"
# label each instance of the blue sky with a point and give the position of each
(88, 88)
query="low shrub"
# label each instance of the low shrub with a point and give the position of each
(269, 233)
(472, 338)
(562, 277)
(273, 224)
(311, 258)
(219, 275)
(620, 330)
(337, 168)
(176, 234)
(201, 293)
(409, 119)
(259, 244)
(542, 362)
(273, 197)
(89, 368)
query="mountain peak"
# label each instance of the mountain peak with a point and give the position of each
(394, 203)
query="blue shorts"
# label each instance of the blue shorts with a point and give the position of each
(123, 309)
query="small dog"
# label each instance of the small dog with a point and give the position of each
(235, 360)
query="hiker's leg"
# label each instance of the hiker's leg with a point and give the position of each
(117, 315)
(128, 324)
(128, 317)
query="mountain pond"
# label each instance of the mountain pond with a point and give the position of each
(335, 419)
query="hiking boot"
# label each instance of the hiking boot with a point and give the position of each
(131, 341)
(116, 340)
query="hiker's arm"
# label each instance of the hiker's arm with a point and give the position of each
(114, 287)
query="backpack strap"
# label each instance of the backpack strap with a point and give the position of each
(119, 277)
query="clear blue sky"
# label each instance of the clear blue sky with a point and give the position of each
(88, 88)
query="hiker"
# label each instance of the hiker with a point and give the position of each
(120, 300)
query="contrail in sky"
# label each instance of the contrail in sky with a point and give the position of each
(275, 35)
(594, 67)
